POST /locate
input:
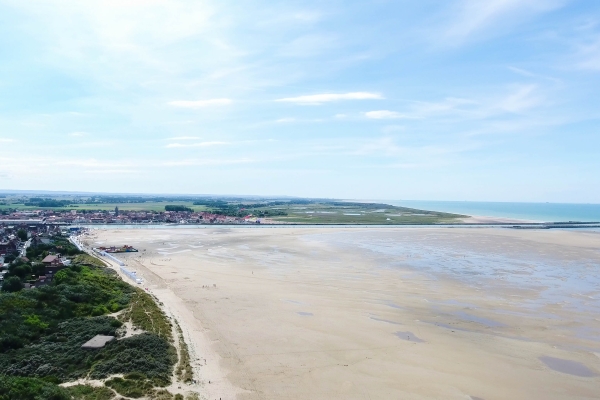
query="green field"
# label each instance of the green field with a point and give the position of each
(299, 211)
(355, 213)
(142, 206)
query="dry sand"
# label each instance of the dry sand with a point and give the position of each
(391, 313)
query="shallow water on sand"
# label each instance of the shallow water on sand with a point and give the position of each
(534, 283)
(567, 366)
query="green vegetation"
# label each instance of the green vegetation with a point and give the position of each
(85, 259)
(136, 386)
(144, 313)
(12, 284)
(300, 211)
(87, 392)
(78, 291)
(180, 208)
(42, 330)
(22, 234)
(46, 203)
(183, 371)
(21, 271)
(59, 244)
(12, 388)
(145, 353)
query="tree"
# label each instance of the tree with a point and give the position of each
(12, 284)
(22, 234)
(20, 270)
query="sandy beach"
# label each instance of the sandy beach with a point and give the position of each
(379, 313)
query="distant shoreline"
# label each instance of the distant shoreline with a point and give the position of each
(516, 225)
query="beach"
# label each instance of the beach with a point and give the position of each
(379, 313)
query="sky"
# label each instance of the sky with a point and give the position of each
(494, 100)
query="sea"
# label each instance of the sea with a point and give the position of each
(538, 212)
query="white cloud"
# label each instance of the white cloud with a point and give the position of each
(6, 140)
(183, 138)
(329, 97)
(530, 74)
(78, 134)
(200, 103)
(111, 171)
(382, 114)
(284, 120)
(522, 99)
(198, 144)
(195, 162)
(474, 16)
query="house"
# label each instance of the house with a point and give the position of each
(8, 246)
(51, 260)
(53, 264)
(43, 280)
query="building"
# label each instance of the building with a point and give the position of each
(8, 246)
(51, 260)
(97, 342)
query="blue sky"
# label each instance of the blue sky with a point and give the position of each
(442, 100)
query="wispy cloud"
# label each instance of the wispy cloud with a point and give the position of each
(200, 162)
(183, 138)
(529, 74)
(473, 17)
(78, 134)
(522, 99)
(200, 103)
(382, 114)
(589, 54)
(316, 99)
(112, 171)
(7, 140)
(197, 144)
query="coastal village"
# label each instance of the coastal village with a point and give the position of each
(116, 216)
(34, 253)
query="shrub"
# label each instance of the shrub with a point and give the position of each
(146, 353)
(86, 392)
(129, 387)
(12, 388)
(12, 284)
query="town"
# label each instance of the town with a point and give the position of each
(180, 215)
(30, 255)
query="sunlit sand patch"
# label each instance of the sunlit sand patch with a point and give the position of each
(385, 320)
(502, 303)
(165, 253)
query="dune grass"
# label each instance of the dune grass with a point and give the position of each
(144, 313)
(183, 371)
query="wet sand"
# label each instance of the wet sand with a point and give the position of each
(367, 313)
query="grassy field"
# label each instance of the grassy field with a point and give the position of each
(300, 211)
(145, 206)
(353, 213)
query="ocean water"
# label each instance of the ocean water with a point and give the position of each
(539, 212)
